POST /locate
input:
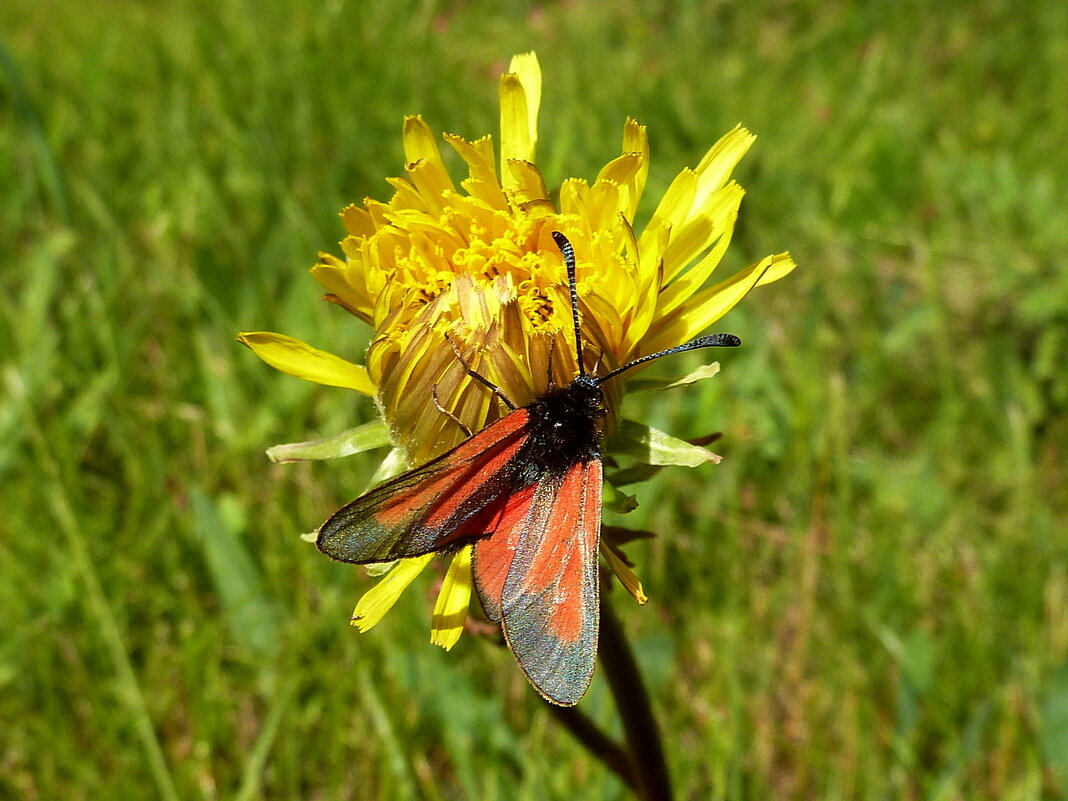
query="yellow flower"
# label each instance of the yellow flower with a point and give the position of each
(476, 268)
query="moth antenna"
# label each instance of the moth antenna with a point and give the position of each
(710, 341)
(572, 284)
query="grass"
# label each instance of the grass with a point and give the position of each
(867, 599)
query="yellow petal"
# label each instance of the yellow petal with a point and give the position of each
(681, 289)
(479, 161)
(671, 210)
(691, 238)
(675, 205)
(407, 197)
(720, 160)
(333, 275)
(357, 221)
(419, 141)
(425, 167)
(526, 181)
(604, 205)
(374, 604)
(482, 182)
(782, 264)
(516, 141)
(621, 169)
(574, 193)
(706, 307)
(636, 140)
(621, 175)
(528, 70)
(450, 611)
(303, 361)
(623, 572)
(695, 205)
(378, 212)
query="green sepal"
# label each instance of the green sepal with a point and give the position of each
(379, 568)
(703, 372)
(652, 446)
(635, 474)
(393, 465)
(356, 440)
(616, 500)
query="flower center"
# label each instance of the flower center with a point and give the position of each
(500, 270)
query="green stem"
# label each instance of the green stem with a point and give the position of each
(642, 735)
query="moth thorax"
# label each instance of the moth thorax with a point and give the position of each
(566, 425)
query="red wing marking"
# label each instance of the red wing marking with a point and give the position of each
(549, 602)
(490, 464)
(432, 506)
(493, 554)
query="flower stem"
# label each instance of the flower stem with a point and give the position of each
(612, 754)
(642, 735)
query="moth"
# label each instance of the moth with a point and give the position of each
(526, 492)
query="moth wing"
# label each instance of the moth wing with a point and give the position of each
(433, 506)
(493, 555)
(548, 601)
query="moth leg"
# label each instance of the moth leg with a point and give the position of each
(496, 390)
(447, 413)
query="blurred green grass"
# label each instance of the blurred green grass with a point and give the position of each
(867, 599)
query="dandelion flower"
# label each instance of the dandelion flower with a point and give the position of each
(441, 270)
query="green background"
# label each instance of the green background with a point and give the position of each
(867, 599)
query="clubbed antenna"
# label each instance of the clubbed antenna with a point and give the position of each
(710, 341)
(569, 262)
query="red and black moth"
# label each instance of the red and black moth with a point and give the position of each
(526, 492)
